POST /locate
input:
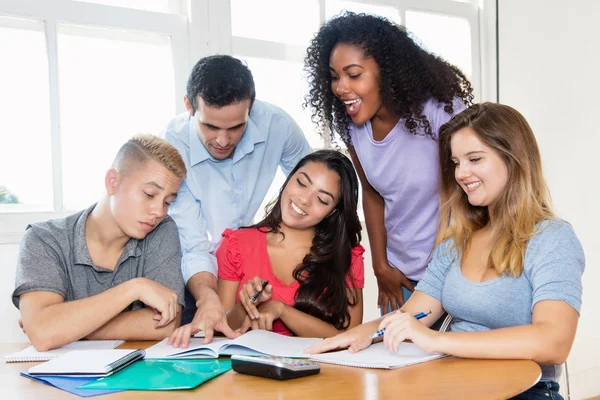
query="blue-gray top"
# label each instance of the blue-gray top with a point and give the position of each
(554, 262)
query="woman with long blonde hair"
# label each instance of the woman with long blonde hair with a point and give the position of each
(505, 267)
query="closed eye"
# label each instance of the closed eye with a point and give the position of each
(322, 201)
(149, 195)
(300, 183)
(354, 76)
(475, 159)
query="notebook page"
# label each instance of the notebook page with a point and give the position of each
(270, 343)
(31, 354)
(196, 349)
(378, 356)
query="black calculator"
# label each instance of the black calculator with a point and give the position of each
(281, 368)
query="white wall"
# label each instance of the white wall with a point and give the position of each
(549, 71)
(9, 315)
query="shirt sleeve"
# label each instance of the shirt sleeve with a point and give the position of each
(39, 268)
(186, 211)
(432, 281)
(296, 145)
(357, 268)
(554, 264)
(163, 259)
(229, 257)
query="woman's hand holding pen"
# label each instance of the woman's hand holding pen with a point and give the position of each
(400, 326)
(254, 289)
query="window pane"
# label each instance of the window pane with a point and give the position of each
(282, 83)
(275, 20)
(112, 86)
(148, 5)
(26, 163)
(334, 7)
(446, 36)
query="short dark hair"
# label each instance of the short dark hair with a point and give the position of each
(220, 80)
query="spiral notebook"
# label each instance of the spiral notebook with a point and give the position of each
(30, 354)
(90, 363)
(378, 356)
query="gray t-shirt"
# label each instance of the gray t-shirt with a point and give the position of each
(54, 257)
(554, 262)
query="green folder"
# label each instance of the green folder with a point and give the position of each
(161, 374)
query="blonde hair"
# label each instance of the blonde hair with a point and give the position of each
(144, 147)
(523, 204)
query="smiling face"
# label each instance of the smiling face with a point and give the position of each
(355, 81)
(310, 195)
(140, 198)
(479, 170)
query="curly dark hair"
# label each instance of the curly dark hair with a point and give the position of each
(409, 75)
(322, 274)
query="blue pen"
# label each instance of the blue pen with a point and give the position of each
(382, 331)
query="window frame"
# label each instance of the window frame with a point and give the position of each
(54, 12)
(201, 27)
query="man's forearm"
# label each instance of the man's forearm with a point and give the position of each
(201, 285)
(135, 325)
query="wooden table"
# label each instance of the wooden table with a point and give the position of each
(446, 378)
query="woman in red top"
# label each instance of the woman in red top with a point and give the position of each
(307, 247)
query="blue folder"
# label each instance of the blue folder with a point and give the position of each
(70, 384)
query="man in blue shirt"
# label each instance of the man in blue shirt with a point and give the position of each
(232, 145)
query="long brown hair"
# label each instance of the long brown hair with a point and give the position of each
(323, 291)
(524, 202)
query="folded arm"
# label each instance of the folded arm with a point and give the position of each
(136, 325)
(50, 322)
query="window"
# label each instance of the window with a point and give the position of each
(426, 28)
(62, 122)
(335, 7)
(274, 48)
(163, 6)
(25, 176)
(95, 122)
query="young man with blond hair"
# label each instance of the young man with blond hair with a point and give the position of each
(112, 271)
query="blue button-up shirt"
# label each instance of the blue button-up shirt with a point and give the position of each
(220, 194)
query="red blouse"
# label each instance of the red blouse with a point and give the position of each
(242, 255)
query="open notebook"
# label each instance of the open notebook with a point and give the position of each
(253, 343)
(378, 356)
(97, 363)
(30, 354)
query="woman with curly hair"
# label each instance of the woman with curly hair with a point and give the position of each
(307, 247)
(386, 98)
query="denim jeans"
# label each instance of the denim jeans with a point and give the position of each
(190, 308)
(544, 390)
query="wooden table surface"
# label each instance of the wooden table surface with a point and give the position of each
(446, 378)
